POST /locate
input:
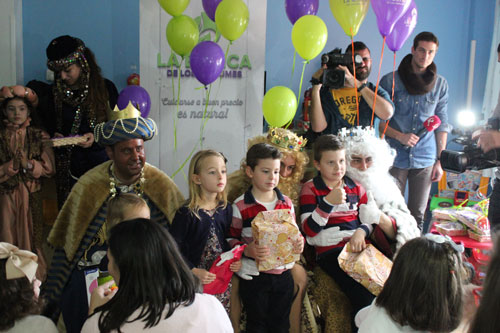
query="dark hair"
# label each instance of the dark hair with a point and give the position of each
(261, 151)
(153, 275)
(358, 46)
(17, 299)
(486, 319)
(498, 48)
(324, 143)
(6, 101)
(424, 289)
(425, 36)
(98, 93)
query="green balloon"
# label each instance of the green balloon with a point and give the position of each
(231, 18)
(279, 106)
(174, 7)
(182, 34)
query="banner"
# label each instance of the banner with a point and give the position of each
(234, 112)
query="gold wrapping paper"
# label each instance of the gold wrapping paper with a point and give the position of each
(277, 230)
(370, 267)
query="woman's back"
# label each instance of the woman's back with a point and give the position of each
(206, 314)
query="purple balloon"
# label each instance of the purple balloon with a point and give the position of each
(138, 96)
(210, 6)
(207, 61)
(388, 12)
(295, 9)
(403, 28)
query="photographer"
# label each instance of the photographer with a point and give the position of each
(333, 109)
(489, 139)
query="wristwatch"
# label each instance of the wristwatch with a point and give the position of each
(361, 87)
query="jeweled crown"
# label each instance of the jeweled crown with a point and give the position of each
(286, 139)
(129, 112)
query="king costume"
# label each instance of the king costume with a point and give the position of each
(78, 234)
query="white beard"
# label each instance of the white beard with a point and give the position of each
(379, 182)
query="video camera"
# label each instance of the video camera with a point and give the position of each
(472, 156)
(334, 77)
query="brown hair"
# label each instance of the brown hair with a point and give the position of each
(261, 151)
(324, 143)
(424, 290)
(121, 204)
(98, 97)
(17, 299)
(425, 36)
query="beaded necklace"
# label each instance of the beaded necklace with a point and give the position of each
(137, 187)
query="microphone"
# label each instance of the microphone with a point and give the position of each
(430, 124)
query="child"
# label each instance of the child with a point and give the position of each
(24, 159)
(201, 226)
(125, 206)
(267, 297)
(423, 292)
(331, 200)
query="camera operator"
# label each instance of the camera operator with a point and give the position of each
(489, 139)
(333, 109)
(419, 93)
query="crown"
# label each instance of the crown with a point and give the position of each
(286, 139)
(358, 133)
(129, 112)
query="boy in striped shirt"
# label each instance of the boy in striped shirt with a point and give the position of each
(267, 296)
(331, 200)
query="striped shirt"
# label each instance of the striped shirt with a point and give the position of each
(318, 214)
(245, 209)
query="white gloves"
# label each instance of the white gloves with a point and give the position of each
(330, 236)
(248, 269)
(369, 213)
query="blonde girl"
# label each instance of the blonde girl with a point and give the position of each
(201, 225)
(125, 206)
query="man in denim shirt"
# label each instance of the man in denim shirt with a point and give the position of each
(333, 109)
(419, 93)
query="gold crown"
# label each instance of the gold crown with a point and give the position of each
(286, 139)
(129, 112)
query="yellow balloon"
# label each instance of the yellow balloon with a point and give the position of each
(309, 35)
(182, 34)
(349, 14)
(174, 7)
(279, 106)
(231, 18)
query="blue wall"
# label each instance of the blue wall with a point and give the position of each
(109, 28)
(455, 22)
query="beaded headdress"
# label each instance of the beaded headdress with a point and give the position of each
(356, 134)
(64, 51)
(285, 139)
(124, 125)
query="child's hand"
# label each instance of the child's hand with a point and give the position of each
(101, 295)
(8, 169)
(336, 196)
(205, 276)
(357, 241)
(235, 266)
(298, 245)
(256, 251)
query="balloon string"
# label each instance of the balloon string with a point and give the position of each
(200, 141)
(355, 81)
(177, 106)
(392, 95)
(293, 65)
(378, 79)
(300, 91)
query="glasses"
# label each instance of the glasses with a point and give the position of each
(440, 239)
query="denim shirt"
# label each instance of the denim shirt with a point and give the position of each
(409, 115)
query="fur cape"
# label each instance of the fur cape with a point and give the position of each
(89, 194)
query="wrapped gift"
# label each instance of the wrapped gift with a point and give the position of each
(444, 214)
(478, 237)
(451, 228)
(369, 267)
(277, 230)
(475, 220)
